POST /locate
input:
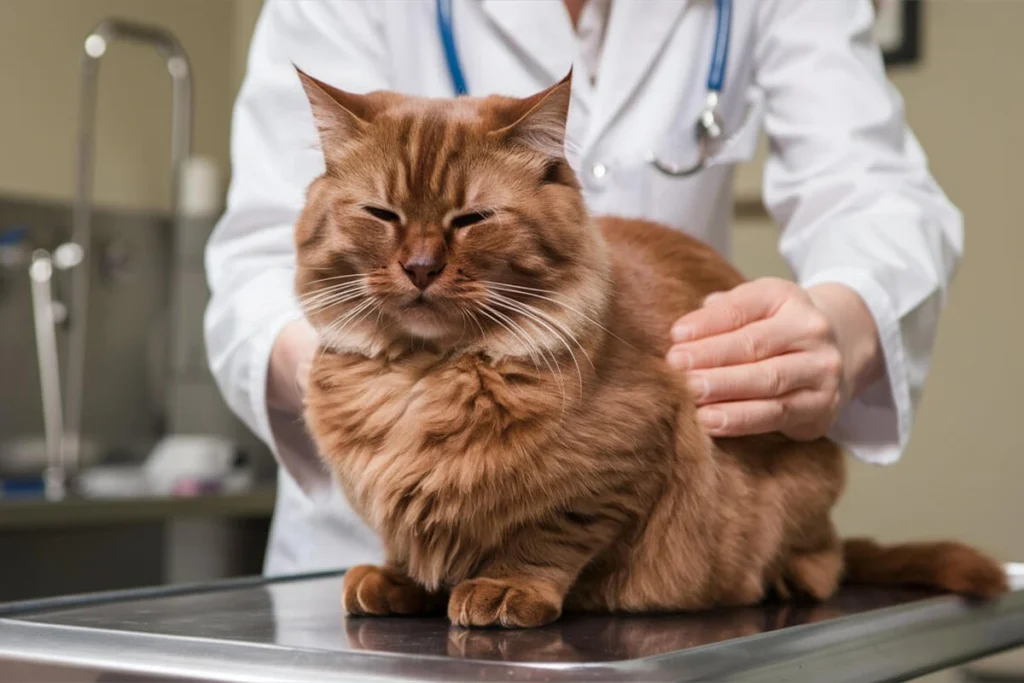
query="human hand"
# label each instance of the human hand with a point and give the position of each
(771, 356)
(290, 360)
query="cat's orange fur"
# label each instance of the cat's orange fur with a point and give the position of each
(511, 430)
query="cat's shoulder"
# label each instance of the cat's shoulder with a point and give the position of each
(657, 248)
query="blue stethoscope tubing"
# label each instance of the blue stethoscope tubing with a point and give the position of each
(451, 54)
(709, 128)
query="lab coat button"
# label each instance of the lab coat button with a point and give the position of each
(599, 171)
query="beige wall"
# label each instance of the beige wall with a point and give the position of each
(40, 48)
(246, 12)
(963, 474)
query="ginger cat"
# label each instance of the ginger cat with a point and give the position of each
(493, 398)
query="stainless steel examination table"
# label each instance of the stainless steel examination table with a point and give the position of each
(293, 630)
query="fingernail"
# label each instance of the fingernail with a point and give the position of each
(711, 297)
(698, 386)
(680, 360)
(713, 420)
(681, 333)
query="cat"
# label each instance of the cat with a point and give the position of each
(492, 395)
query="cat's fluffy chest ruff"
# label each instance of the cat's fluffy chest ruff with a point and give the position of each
(419, 443)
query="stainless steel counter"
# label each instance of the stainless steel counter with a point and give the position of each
(293, 630)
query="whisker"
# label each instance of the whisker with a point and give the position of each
(489, 312)
(539, 294)
(296, 308)
(326, 296)
(462, 334)
(556, 369)
(343, 320)
(292, 314)
(565, 329)
(508, 285)
(351, 276)
(338, 326)
(333, 289)
(343, 317)
(321, 302)
(376, 305)
(537, 319)
(320, 296)
(309, 312)
(535, 315)
(328, 303)
(472, 316)
(533, 309)
(285, 301)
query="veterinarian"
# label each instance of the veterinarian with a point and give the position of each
(664, 106)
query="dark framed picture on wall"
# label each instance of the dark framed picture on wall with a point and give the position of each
(898, 30)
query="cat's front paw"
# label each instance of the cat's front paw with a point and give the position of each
(380, 591)
(510, 603)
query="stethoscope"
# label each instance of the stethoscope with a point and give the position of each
(709, 128)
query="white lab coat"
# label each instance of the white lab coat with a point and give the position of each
(846, 181)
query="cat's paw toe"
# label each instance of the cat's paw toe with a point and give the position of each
(507, 603)
(380, 591)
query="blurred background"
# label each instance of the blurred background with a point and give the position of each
(177, 489)
(154, 516)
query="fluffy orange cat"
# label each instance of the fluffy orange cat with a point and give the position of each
(493, 397)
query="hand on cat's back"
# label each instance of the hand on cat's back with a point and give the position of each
(770, 356)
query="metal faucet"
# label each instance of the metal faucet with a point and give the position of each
(95, 46)
(47, 314)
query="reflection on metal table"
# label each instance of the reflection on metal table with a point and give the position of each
(293, 629)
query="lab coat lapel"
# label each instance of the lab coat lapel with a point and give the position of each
(637, 33)
(541, 31)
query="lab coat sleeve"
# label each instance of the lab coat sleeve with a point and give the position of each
(849, 184)
(250, 259)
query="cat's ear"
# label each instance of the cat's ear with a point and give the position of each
(540, 119)
(340, 116)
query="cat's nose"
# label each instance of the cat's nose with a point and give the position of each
(423, 269)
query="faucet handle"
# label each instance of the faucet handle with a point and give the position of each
(67, 255)
(41, 273)
(41, 268)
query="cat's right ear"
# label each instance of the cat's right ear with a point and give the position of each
(340, 116)
(539, 120)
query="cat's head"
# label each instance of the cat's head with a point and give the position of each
(446, 221)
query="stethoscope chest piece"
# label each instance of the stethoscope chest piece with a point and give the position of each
(709, 130)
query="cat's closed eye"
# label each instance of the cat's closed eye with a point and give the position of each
(466, 219)
(382, 214)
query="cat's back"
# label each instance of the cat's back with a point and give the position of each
(660, 273)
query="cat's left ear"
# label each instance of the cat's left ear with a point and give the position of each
(340, 116)
(541, 118)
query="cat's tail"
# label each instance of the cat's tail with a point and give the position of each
(946, 566)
